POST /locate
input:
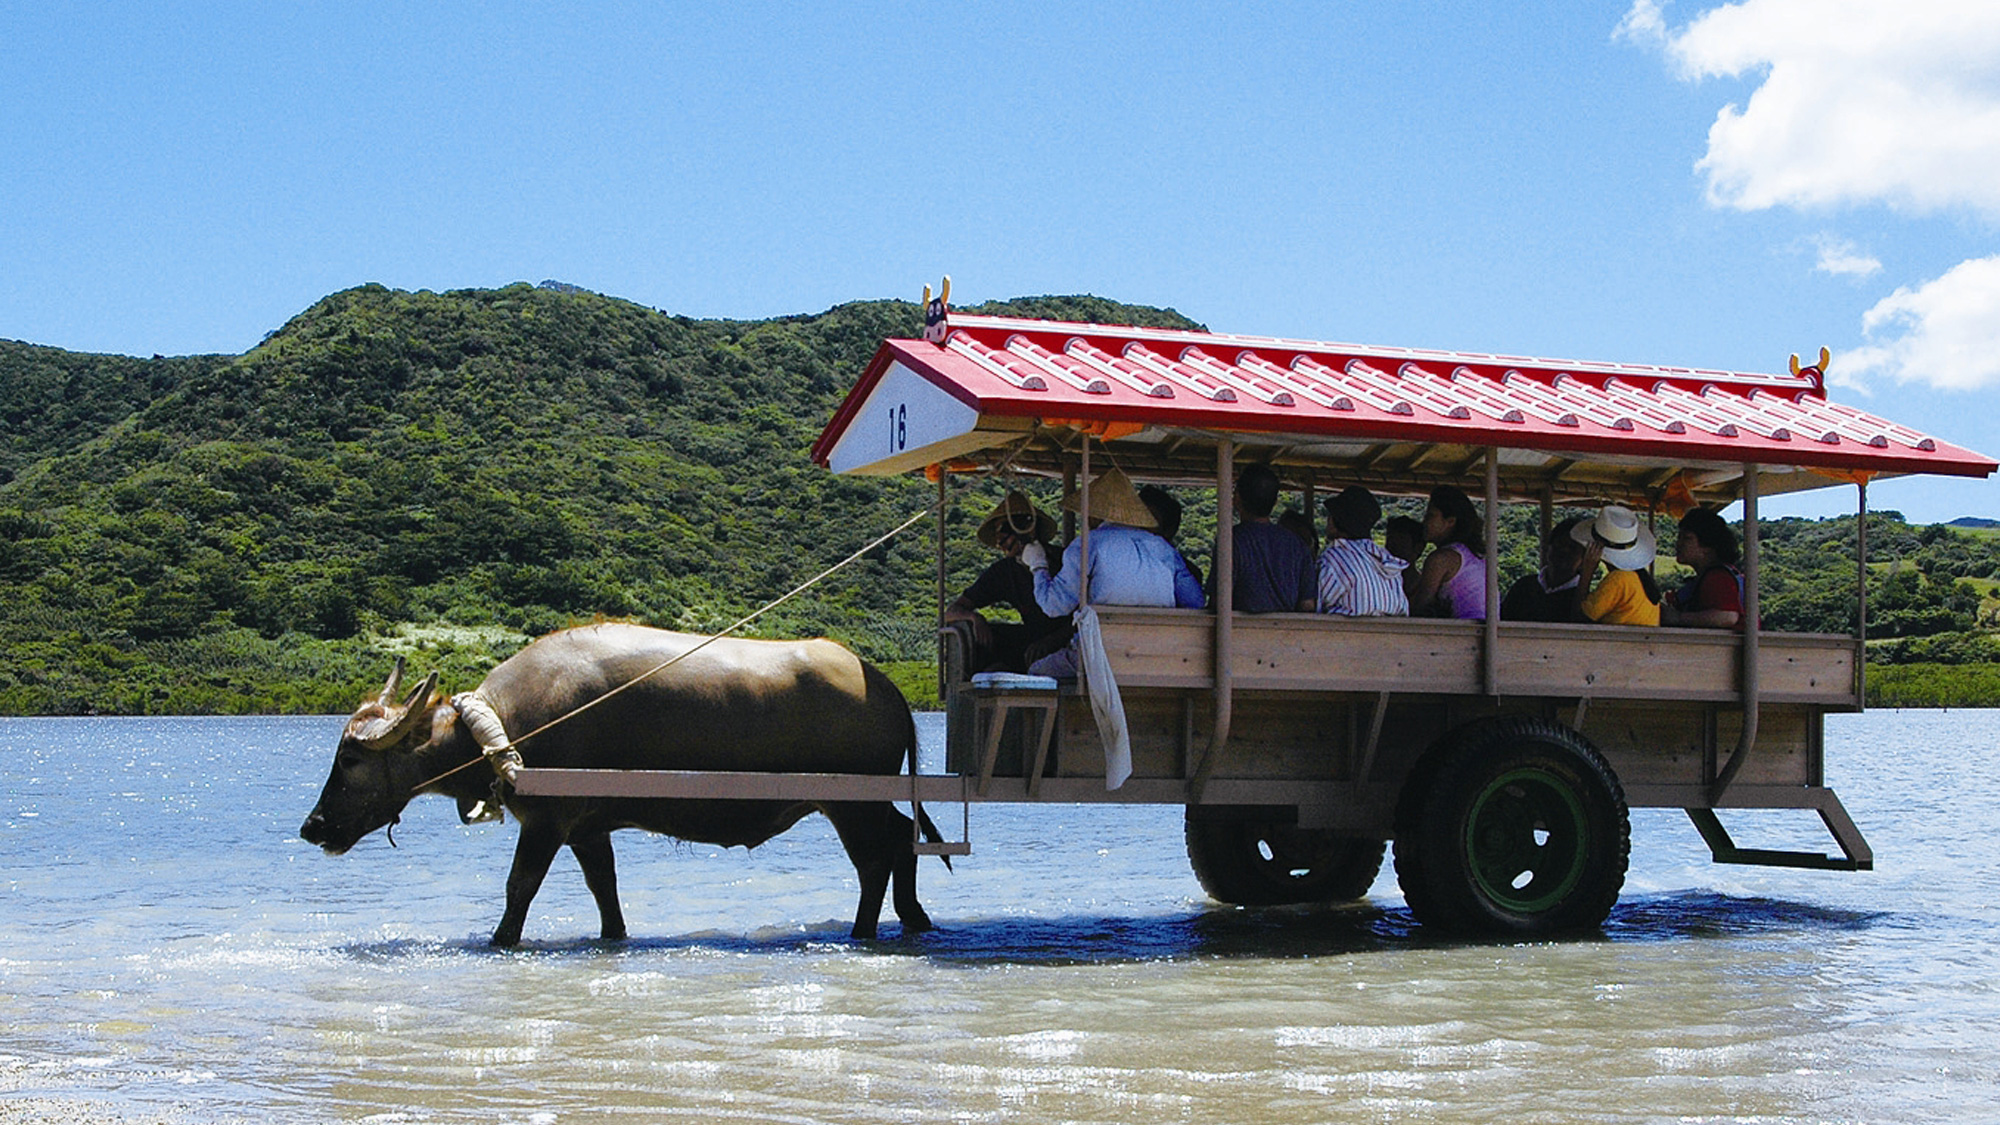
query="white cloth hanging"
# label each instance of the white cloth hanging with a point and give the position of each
(1105, 703)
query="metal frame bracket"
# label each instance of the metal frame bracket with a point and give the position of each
(1856, 854)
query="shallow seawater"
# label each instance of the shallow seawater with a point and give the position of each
(169, 947)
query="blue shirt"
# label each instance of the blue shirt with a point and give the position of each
(1127, 567)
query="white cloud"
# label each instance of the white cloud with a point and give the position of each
(1643, 24)
(1842, 258)
(1945, 332)
(1860, 100)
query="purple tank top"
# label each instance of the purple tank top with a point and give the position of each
(1467, 589)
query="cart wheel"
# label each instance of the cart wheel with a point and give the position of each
(1261, 863)
(1512, 827)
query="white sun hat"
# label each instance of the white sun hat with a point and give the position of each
(1628, 544)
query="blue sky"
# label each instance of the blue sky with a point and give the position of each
(1685, 183)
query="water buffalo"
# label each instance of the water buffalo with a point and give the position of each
(735, 705)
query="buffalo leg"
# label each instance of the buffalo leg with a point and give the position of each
(600, 874)
(859, 826)
(534, 852)
(879, 851)
(904, 881)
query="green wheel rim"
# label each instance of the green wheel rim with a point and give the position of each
(1526, 840)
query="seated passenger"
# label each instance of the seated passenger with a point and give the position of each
(1628, 595)
(1274, 568)
(1453, 582)
(1129, 565)
(1167, 515)
(1555, 592)
(1357, 578)
(1403, 537)
(1301, 525)
(1003, 646)
(1713, 598)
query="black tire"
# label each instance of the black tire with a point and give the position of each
(1512, 828)
(1262, 863)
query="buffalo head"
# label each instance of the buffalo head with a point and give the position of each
(373, 770)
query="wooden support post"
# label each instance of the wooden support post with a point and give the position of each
(1083, 518)
(1306, 497)
(1861, 597)
(1069, 489)
(1366, 765)
(1224, 563)
(1547, 525)
(1751, 629)
(1490, 641)
(941, 513)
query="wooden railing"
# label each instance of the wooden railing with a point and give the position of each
(1312, 652)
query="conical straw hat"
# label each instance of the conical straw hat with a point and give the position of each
(1114, 500)
(1018, 514)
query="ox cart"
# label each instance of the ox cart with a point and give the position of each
(1499, 757)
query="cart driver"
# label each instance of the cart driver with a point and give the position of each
(999, 645)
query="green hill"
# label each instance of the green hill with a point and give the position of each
(448, 474)
(52, 401)
(451, 472)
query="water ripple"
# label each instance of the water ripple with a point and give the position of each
(168, 947)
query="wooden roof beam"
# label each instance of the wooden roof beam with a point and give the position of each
(1376, 455)
(1478, 461)
(1431, 453)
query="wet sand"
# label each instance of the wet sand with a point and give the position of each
(48, 1108)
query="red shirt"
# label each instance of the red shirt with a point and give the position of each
(1718, 587)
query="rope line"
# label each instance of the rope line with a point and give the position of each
(737, 624)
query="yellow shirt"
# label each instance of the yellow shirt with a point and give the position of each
(1620, 599)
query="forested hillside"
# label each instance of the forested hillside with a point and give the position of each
(451, 473)
(52, 401)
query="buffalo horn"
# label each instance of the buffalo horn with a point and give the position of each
(389, 689)
(383, 733)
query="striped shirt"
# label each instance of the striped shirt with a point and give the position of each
(1357, 578)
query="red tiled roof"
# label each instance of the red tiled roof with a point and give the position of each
(1009, 368)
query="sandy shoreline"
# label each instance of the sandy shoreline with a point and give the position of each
(51, 1105)
(17, 1110)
